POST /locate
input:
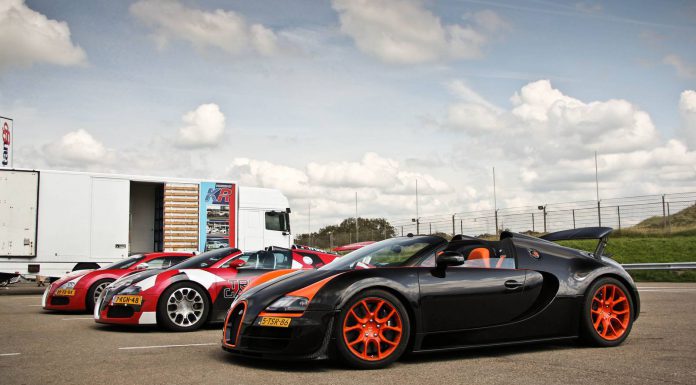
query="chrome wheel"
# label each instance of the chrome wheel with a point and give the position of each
(98, 290)
(185, 307)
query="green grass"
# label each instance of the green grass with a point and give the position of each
(648, 249)
(685, 218)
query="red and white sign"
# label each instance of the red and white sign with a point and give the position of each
(7, 138)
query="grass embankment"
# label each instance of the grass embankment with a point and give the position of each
(683, 219)
(642, 248)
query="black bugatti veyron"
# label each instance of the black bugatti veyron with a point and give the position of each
(423, 293)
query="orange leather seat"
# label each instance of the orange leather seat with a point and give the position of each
(482, 254)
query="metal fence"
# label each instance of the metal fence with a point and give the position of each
(649, 213)
(329, 241)
(619, 213)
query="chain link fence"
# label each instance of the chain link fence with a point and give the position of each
(648, 213)
(332, 240)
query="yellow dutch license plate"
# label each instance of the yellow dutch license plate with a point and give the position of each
(278, 322)
(128, 300)
(65, 292)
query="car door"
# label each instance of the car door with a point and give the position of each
(235, 279)
(465, 298)
(458, 298)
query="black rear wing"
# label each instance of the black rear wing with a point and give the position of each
(600, 233)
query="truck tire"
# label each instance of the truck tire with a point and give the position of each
(85, 266)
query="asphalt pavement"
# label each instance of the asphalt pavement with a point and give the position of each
(38, 347)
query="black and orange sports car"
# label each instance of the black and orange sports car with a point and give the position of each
(424, 293)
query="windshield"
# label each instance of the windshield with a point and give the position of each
(125, 263)
(206, 259)
(388, 253)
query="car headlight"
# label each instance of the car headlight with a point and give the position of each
(288, 304)
(67, 285)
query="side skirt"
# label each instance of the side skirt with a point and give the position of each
(510, 343)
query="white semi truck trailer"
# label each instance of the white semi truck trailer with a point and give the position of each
(53, 222)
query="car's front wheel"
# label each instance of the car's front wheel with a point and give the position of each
(607, 313)
(372, 330)
(183, 307)
(94, 292)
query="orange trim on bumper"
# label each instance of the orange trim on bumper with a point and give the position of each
(239, 328)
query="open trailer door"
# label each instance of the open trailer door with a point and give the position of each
(110, 218)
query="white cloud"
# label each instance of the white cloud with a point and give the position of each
(220, 29)
(384, 188)
(77, 148)
(554, 124)
(373, 171)
(587, 7)
(490, 21)
(472, 113)
(545, 143)
(687, 110)
(251, 172)
(683, 68)
(404, 32)
(28, 37)
(205, 127)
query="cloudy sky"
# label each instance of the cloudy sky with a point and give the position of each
(325, 98)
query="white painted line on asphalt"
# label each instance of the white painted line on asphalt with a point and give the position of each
(9, 354)
(35, 305)
(666, 291)
(77, 318)
(164, 346)
(667, 287)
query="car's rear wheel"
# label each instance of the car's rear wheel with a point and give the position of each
(94, 292)
(372, 330)
(607, 313)
(183, 307)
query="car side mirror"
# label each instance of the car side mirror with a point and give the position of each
(449, 258)
(142, 266)
(237, 263)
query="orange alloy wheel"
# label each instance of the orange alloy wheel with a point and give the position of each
(611, 312)
(372, 329)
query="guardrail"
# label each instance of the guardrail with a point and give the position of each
(660, 266)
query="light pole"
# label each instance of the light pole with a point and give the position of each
(357, 231)
(544, 209)
(330, 240)
(309, 223)
(417, 220)
(495, 203)
(596, 175)
(417, 211)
